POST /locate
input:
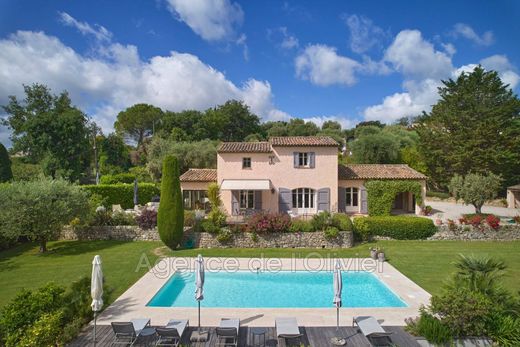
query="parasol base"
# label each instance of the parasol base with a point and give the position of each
(338, 341)
(199, 336)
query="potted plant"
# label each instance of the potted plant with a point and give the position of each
(373, 252)
(381, 255)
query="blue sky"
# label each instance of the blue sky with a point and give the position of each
(347, 61)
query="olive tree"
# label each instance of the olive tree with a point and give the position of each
(475, 189)
(40, 209)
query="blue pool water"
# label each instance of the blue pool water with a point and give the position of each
(280, 289)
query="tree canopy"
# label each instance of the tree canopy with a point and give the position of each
(48, 130)
(6, 174)
(138, 121)
(474, 127)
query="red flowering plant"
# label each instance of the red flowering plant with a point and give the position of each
(493, 222)
(476, 221)
(451, 224)
(463, 220)
(263, 222)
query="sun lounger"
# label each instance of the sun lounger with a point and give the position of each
(372, 330)
(227, 332)
(171, 334)
(126, 333)
(287, 328)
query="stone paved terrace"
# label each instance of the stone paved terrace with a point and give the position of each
(312, 336)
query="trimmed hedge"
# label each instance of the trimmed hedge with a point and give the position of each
(118, 178)
(381, 194)
(440, 195)
(123, 194)
(396, 227)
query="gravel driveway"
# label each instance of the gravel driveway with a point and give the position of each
(451, 210)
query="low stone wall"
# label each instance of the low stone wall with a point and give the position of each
(120, 232)
(345, 239)
(506, 232)
(206, 240)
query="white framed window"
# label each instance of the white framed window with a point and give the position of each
(303, 159)
(247, 199)
(246, 163)
(352, 198)
(303, 198)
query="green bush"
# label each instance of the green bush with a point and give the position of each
(342, 222)
(301, 226)
(321, 221)
(381, 194)
(224, 235)
(45, 331)
(440, 195)
(431, 328)
(210, 227)
(23, 171)
(189, 218)
(396, 227)
(331, 232)
(6, 174)
(170, 218)
(505, 331)
(123, 194)
(118, 178)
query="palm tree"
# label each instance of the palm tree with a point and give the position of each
(480, 273)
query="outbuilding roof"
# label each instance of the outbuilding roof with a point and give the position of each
(199, 175)
(378, 171)
(313, 141)
(245, 147)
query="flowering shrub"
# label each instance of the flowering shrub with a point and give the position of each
(476, 221)
(269, 222)
(493, 222)
(427, 210)
(451, 224)
(517, 219)
(147, 219)
(463, 220)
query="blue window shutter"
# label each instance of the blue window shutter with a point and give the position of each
(364, 202)
(324, 199)
(312, 159)
(342, 199)
(235, 207)
(285, 200)
(258, 199)
(295, 158)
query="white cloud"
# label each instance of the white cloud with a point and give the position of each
(464, 30)
(364, 34)
(499, 63)
(116, 78)
(283, 38)
(319, 120)
(321, 65)
(242, 41)
(98, 31)
(213, 20)
(423, 67)
(416, 57)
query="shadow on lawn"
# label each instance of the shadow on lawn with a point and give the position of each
(60, 248)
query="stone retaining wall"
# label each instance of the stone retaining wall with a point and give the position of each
(507, 232)
(206, 240)
(345, 239)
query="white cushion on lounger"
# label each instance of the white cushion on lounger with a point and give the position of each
(140, 324)
(287, 326)
(179, 324)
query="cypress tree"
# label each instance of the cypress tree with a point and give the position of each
(170, 218)
(5, 165)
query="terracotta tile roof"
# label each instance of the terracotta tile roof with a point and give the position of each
(199, 175)
(244, 147)
(378, 171)
(515, 187)
(303, 141)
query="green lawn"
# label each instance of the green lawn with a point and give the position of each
(427, 263)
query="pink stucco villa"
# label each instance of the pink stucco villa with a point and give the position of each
(299, 175)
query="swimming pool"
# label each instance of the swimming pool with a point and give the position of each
(295, 289)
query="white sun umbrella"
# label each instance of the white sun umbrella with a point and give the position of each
(337, 282)
(96, 289)
(199, 281)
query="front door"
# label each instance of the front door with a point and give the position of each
(304, 201)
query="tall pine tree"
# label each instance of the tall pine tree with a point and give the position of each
(474, 127)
